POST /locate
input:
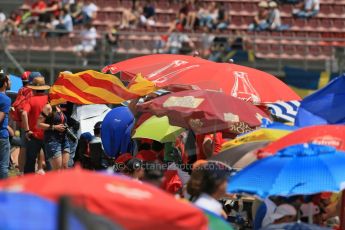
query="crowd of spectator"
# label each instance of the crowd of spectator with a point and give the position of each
(53, 18)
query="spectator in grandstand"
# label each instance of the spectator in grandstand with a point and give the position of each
(191, 14)
(88, 42)
(260, 19)
(112, 40)
(76, 11)
(54, 123)
(308, 9)
(179, 42)
(65, 23)
(131, 16)
(12, 23)
(223, 20)
(89, 13)
(274, 20)
(149, 11)
(208, 16)
(5, 104)
(2, 21)
(30, 115)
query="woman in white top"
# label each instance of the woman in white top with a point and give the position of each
(207, 185)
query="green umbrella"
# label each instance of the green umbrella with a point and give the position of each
(215, 222)
(159, 129)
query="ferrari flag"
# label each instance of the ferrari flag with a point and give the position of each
(92, 87)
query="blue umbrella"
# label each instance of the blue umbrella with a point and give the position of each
(296, 170)
(294, 226)
(326, 106)
(24, 211)
(116, 131)
(16, 84)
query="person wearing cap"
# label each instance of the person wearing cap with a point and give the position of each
(31, 112)
(5, 104)
(284, 213)
(260, 19)
(24, 93)
(274, 19)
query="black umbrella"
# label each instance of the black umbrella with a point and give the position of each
(239, 156)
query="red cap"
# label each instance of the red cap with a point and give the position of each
(25, 75)
(123, 158)
(147, 155)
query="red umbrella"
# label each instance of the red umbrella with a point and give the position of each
(333, 135)
(205, 111)
(128, 202)
(239, 81)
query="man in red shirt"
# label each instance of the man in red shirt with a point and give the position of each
(23, 95)
(31, 111)
(208, 145)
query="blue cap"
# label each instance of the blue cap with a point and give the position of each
(33, 75)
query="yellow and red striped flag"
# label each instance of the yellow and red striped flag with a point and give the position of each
(92, 87)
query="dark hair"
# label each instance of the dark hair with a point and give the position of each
(144, 146)
(207, 178)
(97, 128)
(132, 165)
(3, 79)
(153, 171)
(157, 146)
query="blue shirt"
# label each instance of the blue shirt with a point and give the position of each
(5, 104)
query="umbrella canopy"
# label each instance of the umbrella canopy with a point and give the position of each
(204, 111)
(296, 170)
(132, 204)
(16, 84)
(333, 135)
(261, 134)
(159, 129)
(239, 156)
(116, 131)
(239, 81)
(325, 106)
(294, 226)
(18, 210)
(88, 116)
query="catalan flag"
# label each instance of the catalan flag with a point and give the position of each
(92, 87)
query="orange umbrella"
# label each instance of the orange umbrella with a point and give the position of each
(239, 81)
(132, 204)
(333, 135)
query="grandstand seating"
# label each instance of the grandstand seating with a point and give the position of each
(305, 38)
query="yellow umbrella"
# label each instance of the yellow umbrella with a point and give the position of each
(159, 129)
(262, 134)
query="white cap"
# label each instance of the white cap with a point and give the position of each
(283, 210)
(263, 4)
(309, 209)
(272, 4)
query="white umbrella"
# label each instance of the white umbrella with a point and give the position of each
(88, 116)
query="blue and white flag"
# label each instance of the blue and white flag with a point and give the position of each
(284, 110)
